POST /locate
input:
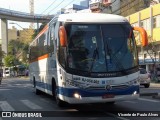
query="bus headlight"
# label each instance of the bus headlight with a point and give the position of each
(63, 84)
(77, 95)
(135, 92)
(133, 82)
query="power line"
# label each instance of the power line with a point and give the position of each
(56, 6)
(69, 3)
(114, 1)
(64, 6)
(49, 6)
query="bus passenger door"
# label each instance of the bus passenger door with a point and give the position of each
(52, 54)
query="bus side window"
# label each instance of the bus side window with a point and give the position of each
(61, 54)
(51, 40)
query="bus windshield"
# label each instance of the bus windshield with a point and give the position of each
(101, 47)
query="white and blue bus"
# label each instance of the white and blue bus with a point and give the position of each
(86, 58)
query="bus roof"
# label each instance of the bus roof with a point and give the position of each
(91, 17)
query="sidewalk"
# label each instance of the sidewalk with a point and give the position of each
(155, 85)
(16, 78)
(157, 95)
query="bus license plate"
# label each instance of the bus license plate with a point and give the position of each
(108, 96)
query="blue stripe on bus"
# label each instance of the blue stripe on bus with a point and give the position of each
(44, 85)
(88, 93)
(93, 93)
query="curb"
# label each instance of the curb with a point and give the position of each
(156, 96)
(154, 84)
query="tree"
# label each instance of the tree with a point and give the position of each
(152, 52)
(38, 30)
(26, 36)
(10, 61)
(23, 54)
(17, 50)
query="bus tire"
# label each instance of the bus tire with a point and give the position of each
(59, 102)
(38, 92)
(34, 82)
(110, 103)
(147, 85)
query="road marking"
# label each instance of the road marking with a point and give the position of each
(122, 118)
(149, 100)
(30, 104)
(5, 89)
(130, 102)
(5, 106)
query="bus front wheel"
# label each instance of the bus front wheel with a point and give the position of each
(59, 102)
(38, 92)
(110, 103)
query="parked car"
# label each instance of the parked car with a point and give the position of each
(145, 78)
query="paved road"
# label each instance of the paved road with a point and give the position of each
(18, 95)
(154, 89)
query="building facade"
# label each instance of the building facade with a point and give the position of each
(85, 3)
(105, 6)
(129, 7)
(12, 34)
(149, 19)
(24, 35)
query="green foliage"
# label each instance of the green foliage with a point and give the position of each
(38, 30)
(24, 53)
(14, 46)
(9, 60)
(17, 53)
(42, 26)
(2, 54)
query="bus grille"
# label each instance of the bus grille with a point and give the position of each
(113, 87)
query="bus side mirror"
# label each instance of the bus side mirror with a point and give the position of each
(143, 35)
(62, 36)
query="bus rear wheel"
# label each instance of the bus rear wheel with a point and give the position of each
(59, 102)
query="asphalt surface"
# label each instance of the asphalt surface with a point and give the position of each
(155, 94)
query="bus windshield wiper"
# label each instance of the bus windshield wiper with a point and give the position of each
(95, 53)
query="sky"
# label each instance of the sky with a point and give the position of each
(40, 7)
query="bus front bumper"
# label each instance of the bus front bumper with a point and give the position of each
(100, 99)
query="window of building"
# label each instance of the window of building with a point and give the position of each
(146, 24)
(142, 23)
(156, 21)
(135, 24)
